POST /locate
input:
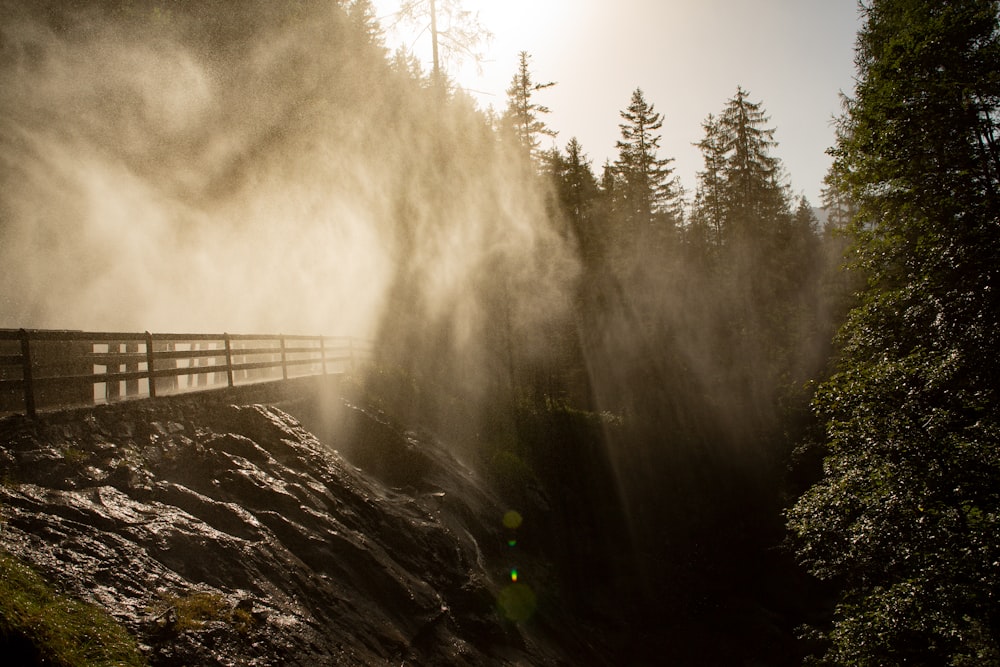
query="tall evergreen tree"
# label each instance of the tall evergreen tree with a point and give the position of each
(740, 198)
(837, 203)
(649, 198)
(578, 193)
(362, 16)
(524, 115)
(710, 197)
(753, 198)
(907, 514)
(610, 186)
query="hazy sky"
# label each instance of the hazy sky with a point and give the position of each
(688, 56)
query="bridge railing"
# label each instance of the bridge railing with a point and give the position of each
(42, 369)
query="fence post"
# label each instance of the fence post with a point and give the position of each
(131, 386)
(112, 390)
(350, 347)
(284, 362)
(198, 379)
(29, 387)
(150, 365)
(322, 352)
(229, 360)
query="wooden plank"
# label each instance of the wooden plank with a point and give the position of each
(252, 351)
(274, 337)
(86, 336)
(186, 354)
(193, 370)
(115, 358)
(303, 350)
(182, 337)
(256, 365)
(95, 378)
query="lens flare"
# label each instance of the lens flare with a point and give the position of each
(512, 519)
(517, 602)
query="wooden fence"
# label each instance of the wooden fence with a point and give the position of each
(41, 369)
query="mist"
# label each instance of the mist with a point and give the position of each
(265, 167)
(242, 167)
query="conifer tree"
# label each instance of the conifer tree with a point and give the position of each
(837, 203)
(649, 198)
(740, 198)
(362, 16)
(906, 516)
(753, 198)
(710, 198)
(523, 115)
(610, 185)
(578, 193)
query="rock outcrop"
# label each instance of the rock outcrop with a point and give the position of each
(228, 534)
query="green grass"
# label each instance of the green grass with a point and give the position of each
(65, 632)
(193, 610)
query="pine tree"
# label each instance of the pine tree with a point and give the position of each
(740, 198)
(523, 115)
(362, 16)
(906, 516)
(753, 199)
(710, 199)
(649, 198)
(578, 194)
(837, 203)
(611, 185)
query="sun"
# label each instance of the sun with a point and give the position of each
(501, 30)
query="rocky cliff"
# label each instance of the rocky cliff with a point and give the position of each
(223, 532)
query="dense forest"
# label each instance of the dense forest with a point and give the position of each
(737, 432)
(712, 352)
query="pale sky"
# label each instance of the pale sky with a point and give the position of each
(688, 56)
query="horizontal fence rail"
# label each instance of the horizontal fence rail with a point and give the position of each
(49, 369)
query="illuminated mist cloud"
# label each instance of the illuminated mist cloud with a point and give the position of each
(259, 167)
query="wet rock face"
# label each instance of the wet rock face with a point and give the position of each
(231, 536)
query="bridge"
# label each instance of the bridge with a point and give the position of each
(48, 369)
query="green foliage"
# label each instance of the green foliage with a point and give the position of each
(906, 516)
(840, 208)
(194, 610)
(65, 632)
(75, 455)
(907, 513)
